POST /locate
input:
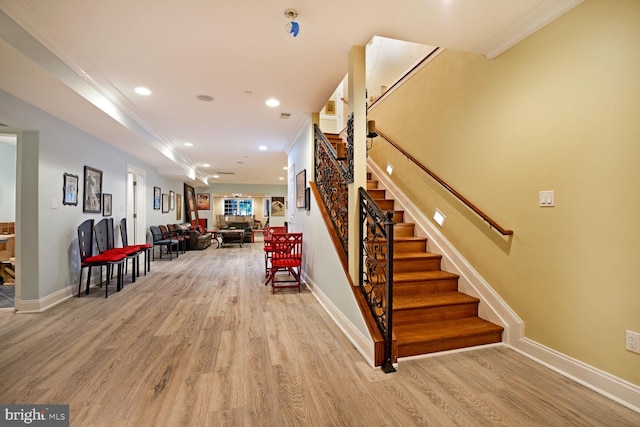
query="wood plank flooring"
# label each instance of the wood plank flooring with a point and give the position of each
(200, 341)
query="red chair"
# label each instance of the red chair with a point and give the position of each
(105, 243)
(142, 247)
(87, 259)
(268, 235)
(286, 255)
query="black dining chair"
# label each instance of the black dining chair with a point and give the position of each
(87, 259)
(162, 239)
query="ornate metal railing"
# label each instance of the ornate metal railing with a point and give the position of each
(376, 269)
(331, 178)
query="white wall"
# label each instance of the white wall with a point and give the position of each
(321, 263)
(7, 182)
(49, 254)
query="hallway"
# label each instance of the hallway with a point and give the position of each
(200, 341)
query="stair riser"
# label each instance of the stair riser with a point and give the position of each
(448, 344)
(385, 205)
(410, 246)
(377, 193)
(403, 266)
(424, 288)
(372, 185)
(401, 246)
(403, 230)
(398, 216)
(434, 314)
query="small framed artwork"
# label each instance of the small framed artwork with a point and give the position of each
(70, 190)
(307, 198)
(165, 203)
(172, 200)
(179, 207)
(301, 183)
(330, 108)
(156, 198)
(106, 204)
(92, 200)
(277, 206)
(204, 202)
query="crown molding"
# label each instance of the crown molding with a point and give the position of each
(547, 12)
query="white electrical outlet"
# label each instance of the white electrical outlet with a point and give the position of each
(633, 341)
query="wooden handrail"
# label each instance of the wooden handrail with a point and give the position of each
(440, 181)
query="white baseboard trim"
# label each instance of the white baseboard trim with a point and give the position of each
(45, 303)
(608, 385)
(363, 344)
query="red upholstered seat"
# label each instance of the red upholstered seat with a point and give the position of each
(144, 248)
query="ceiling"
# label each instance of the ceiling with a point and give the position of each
(81, 61)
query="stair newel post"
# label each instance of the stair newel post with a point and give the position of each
(387, 365)
(375, 270)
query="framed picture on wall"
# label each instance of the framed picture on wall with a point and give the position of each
(106, 204)
(156, 198)
(70, 190)
(307, 198)
(191, 212)
(165, 203)
(301, 183)
(277, 206)
(92, 200)
(204, 202)
(179, 207)
(172, 200)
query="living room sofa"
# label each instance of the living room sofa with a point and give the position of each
(199, 239)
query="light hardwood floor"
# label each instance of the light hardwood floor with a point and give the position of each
(200, 341)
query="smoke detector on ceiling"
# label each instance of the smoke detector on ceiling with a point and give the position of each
(292, 28)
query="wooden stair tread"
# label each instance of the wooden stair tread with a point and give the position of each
(412, 276)
(439, 299)
(446, 329)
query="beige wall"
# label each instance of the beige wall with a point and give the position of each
(559, 111)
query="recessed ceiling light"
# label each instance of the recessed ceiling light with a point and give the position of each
(205, 98)
(142, 91)
(262, 148)
(281, 178)
(216, 176)
(205, 165)
(248, 92)
(285, 167)
(188, 144)
(272, 102)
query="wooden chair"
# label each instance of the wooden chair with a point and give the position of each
(145, 248)
(286, 255)
(162, 239)
(87, 259)
(267, 236)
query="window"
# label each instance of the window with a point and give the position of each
(238, 206)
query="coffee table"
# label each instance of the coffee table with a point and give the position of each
(230, 237)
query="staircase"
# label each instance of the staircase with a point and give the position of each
(429, 314)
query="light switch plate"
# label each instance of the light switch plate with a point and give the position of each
(547, 198)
